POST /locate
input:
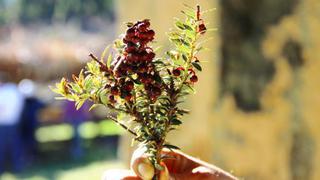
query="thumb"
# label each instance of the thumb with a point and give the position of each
(143, 168)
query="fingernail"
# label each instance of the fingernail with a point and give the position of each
(146, 171)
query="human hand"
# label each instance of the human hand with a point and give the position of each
(178, 166)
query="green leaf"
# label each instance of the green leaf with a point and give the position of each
(80, 103)
(88, 83)
(180, 25)
(197, 66)
(109, 60)
(189, 14)
(174, 35)
(184, 57)
(176, 41)
(103, 97)
(76, 88)
(104, 53)
(187, 27)
(93, 67)
(184, 42)
(60, 98)
(170, 146)
(176, 122)
(182, 111)
(93, 106)
(159, 167)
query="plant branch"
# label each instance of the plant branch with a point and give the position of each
(122, 125)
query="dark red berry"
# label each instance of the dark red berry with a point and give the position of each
(202, 28)
(143, 35)
(130, 32)
(150, 34)
(112, 99)
(129, 86)
(146, 22)
(176, 72)
(143, 68)
(151, 55)
(142, 27)
(145, 78)
(156, 91)
(107, 86)
(128, 97)
(194, 78)
(130, 48)
(191, 71)
(114, 90)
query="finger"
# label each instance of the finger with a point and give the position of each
(143, 168)
(146, 171)
(119, 174)
(178, 162)
(141, 165)
(183, 166)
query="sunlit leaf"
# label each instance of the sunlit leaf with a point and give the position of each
(175, 122)
(170, 146)
(197, 66)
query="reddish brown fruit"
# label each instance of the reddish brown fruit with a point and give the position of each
(202, 28)
(151, 55)
(129, 85)
(142, 27)
(194, 79)
(114, 91)
(191, 71)
(130, 32)
(176, 72)
(128, 97)
(156, 91)
(112, 99)
(130, 48)
(150, 34)
(146, 22)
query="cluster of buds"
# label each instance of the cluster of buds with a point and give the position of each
(135, 63)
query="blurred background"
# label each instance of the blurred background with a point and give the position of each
(255, 113)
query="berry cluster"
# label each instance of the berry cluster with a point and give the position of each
(135, 63)
(192, 74)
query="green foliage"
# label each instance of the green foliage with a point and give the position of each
(148, 117)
